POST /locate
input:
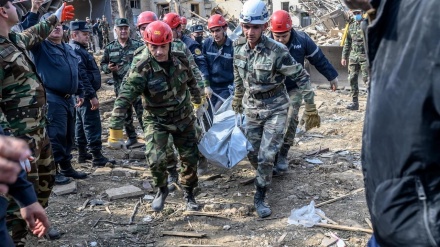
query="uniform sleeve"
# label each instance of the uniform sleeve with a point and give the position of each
(318, 59)
(37, 33)
(132, 86)
(194, 89)
(194, 68)
(204, 50)
(23, 191)
(89, 92)
(238, 82)
(105, 61)
(347, 45)
(3, 121)
(29, 20)
(200, 61)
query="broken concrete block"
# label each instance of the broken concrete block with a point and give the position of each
(124, 172)
(65, 189)
(102, 171)
(137, 155)
(124, 192)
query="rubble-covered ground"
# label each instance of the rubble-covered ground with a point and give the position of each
(87, 217)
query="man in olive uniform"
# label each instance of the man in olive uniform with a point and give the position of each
(162, 75)
(260, 69)
(117, 60)
(23, 104)
(105, 29)
(354, 51)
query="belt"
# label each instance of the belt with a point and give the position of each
(28, 112)
(269, 94)
(62, 95)
(174, 116)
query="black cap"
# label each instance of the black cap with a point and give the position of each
(79, 26)
(121, 22)
(197, 28)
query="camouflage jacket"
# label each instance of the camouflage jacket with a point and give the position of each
(22, 95)
(104, 27)
(166, 95)
(354, 47)
(180, 46)
(264, 69)
(122, 56)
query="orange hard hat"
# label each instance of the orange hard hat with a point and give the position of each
(158, 33)
(146, 17)
(172, 19)
(280, 22)
(216, 21)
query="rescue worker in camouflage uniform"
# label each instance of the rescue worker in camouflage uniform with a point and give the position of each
(196, 63)
(144, 19)
(23, 104)
(88, 127)
(117, 60)
(105, 29)
(185, 31)
(261, 66)
(301, 47)
(91, 45)
(354, 51)
(163, 77)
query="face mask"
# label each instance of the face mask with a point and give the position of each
(199, 39)
(358, 17)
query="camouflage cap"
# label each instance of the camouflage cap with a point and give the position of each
(197, 28)
(79, 26)
(121, 22)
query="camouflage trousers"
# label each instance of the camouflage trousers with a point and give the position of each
(353, 73)
(266, 136)
(157, 139)
(130, 130)
(105, 40)
(292, 117)
(42, 176)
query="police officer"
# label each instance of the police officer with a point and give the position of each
(117, 60)
(260, 69)
(163, 77)
(23, 105)
(354, 51)
(300, 46)
(197, 33)
(57, 65)
(219, 53)
(88, 121)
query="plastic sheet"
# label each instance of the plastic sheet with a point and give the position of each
(306, 216)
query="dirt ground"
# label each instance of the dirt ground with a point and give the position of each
(225, 195)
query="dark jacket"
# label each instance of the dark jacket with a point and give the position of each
(29, 20)
(88, 70)
(220, 65)
(401, 135)
(301, 47)
(196, 50)
(57, 66)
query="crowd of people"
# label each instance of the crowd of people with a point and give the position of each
(49, 102)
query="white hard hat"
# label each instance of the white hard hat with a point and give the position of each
(254, 12)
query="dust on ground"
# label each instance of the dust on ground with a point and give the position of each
(225, 195)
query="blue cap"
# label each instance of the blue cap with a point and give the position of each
(197, 28)
(79, 26)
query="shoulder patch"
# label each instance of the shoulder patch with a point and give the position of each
(197, 51)
(240, 41)
(7, 51)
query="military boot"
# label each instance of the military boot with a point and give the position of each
(159, 200)
(131, 142)
(100, 160)
(354, 105)
(282, 163)
(188, 195)
(68, 171)
(262, 209)
(83, 155)
(59, 178)
(173, 178)
(52, 234)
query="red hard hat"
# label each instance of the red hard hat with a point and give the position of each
(158, 33)
(172, 19)
(216, 21)
(184, 21)
(146, 17)
(280, 22)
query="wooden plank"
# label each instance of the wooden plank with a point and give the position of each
(184, 234)
(339, 198)
(345, 228)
